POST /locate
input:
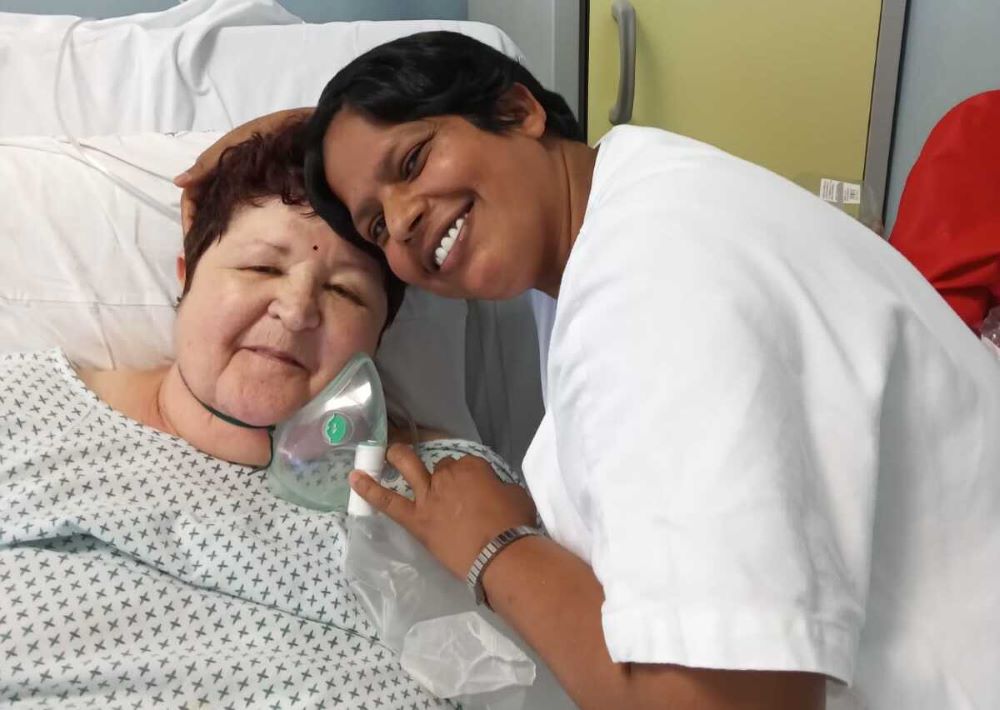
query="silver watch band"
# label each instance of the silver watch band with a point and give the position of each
(475, 576)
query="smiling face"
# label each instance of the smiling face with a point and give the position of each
(274, 310)
(459, 211)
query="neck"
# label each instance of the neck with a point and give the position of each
(178, 412)
(575, 163)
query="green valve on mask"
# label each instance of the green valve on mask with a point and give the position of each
(335, 430)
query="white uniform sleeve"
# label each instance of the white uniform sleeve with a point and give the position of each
(706, 425)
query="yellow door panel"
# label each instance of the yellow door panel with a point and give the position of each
(783, 83)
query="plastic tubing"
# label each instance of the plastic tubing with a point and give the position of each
(140, 195)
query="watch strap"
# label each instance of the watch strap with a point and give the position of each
(489, 552)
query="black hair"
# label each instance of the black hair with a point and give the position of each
(419, 76)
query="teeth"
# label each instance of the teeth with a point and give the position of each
(448, 241)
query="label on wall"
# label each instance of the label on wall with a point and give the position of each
(852, 193)
(830, 190)
(846, 193)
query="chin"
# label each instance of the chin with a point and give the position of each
(265, 411)
(498, 278)
(491, 289)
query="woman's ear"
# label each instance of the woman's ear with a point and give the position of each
(520, 105)
(181, 270)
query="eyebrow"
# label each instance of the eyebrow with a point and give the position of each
(280, 248)
(345, 265)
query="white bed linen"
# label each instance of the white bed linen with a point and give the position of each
(202, 65)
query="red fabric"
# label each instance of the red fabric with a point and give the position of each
(948, 223)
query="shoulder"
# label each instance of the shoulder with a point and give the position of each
(652, 188)
(635, 160)
(39, 391)
(24, 371)
(657, 197)
(95, 380)
(132, 393)
(673, 223)
(432, 452)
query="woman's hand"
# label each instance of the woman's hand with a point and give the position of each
(190, 179)
(455, 512)
(552, 598)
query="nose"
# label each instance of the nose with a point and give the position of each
(404, 211)
(295, 303)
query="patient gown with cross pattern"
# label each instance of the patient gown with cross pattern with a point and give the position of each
(136, 571)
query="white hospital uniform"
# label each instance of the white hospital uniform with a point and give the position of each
(774, 443)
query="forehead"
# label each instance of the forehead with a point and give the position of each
(293, 230)
(356, 148)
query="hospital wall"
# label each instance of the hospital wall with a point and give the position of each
(950, 53)
(547, 31)
(308, 10)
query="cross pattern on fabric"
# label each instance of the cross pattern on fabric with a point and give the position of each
(136, 571)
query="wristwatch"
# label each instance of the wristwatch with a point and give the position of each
(489, 552)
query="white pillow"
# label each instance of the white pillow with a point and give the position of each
(89, 268)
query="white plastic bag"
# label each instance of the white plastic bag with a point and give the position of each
(429, 619)
(462, 655)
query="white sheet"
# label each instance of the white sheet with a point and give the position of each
(202, 65)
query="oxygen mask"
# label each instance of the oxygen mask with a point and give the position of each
(342, 428)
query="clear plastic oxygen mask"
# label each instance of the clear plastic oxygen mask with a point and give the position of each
(342, 428)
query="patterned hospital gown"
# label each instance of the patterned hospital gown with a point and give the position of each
(136, 571)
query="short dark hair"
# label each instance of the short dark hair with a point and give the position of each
(419, 76)
(263, 167)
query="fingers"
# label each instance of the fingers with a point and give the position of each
(382, 499)
(202, 165)
(190, 180)
(406, 461)
(194, 174)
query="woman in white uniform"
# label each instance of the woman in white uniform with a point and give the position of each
(769, 468)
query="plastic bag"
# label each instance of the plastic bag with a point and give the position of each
(461, 655)
(990, 331)
(454, 648)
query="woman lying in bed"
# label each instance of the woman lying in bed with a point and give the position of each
(143, 560)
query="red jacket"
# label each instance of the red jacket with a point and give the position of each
(948, 223)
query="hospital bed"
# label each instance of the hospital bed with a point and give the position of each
(99, 115)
